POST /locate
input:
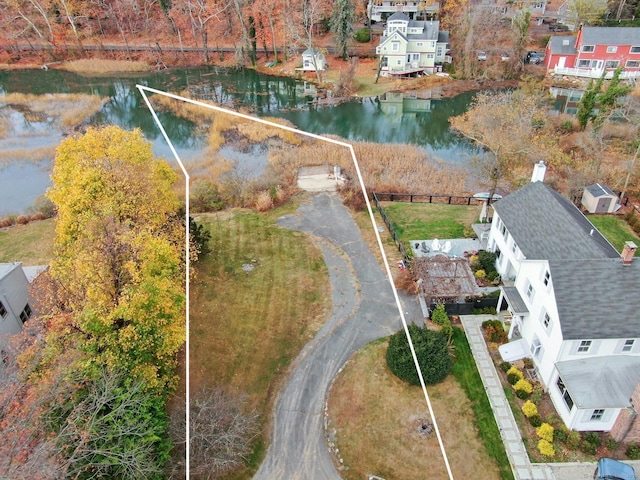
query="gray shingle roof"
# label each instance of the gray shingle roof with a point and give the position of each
(399, 16)
(616, 377)
(598, 190)
(610, 36)
(515, 300)
(597, 298)
(546, 226)
(557, 45)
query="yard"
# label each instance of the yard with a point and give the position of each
(376, 418)
(246, 326)
(616, 230)
(414, 221)
(31, 244)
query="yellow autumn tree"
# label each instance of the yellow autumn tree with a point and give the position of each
(119, 248)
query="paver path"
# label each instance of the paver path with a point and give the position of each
(363, 310)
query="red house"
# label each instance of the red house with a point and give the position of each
(594, 51)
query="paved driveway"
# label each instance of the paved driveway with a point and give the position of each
(363, 310)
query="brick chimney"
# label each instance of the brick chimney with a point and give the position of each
(628, 252)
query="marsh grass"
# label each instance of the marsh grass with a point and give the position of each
(219, 123)
(69, 109)
(98, 65)
(398, 168)
(36, 155)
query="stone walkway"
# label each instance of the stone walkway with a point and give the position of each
(522, 468)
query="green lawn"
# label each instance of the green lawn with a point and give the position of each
(31, 244)
(616, 230)
(247, 325)
(466, 372)
(416, 221)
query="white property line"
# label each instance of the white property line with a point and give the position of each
(349, 146)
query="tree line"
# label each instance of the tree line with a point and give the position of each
(271, 26)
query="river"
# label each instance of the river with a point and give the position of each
(391, 118)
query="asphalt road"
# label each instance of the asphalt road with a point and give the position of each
(363, 310)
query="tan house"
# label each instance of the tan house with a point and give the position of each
(411, 47)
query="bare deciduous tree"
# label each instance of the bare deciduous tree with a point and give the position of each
(221, 432)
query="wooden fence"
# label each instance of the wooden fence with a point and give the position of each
(416, 198)
(396, 238)
(427, 198)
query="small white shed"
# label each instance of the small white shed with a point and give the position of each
(313, 60)
(598, 198)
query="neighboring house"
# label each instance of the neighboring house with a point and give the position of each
(313, 60)
(595, 51)
(509, 8)
(380, 10)
(574, 308)
(14, 299)
(411, 47)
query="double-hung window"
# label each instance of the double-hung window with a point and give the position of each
(585, 346)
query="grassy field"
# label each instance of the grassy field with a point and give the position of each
(377, 416)
(247, 326)
(31, 244)
(616, 230)
(415, 221)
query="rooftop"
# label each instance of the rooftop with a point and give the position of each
(547, 226)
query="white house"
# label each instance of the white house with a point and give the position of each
(14, 297)
(313, 60)
(411, 47)
(574, 307)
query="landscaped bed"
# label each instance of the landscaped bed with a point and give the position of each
(543, 432)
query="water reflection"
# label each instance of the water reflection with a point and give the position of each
(392, 118)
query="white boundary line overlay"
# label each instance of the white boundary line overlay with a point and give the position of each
(143, 90)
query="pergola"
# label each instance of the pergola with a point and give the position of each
(442, 278)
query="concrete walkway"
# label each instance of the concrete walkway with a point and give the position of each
(522, 468)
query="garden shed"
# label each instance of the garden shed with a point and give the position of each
(599, 198)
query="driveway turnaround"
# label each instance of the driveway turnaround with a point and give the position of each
(363, 310)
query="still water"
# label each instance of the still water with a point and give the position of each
(391, 118)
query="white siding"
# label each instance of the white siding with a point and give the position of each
(532, 272)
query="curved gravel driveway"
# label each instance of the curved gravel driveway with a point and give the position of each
(363, 310)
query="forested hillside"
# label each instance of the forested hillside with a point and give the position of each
(270, 27)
